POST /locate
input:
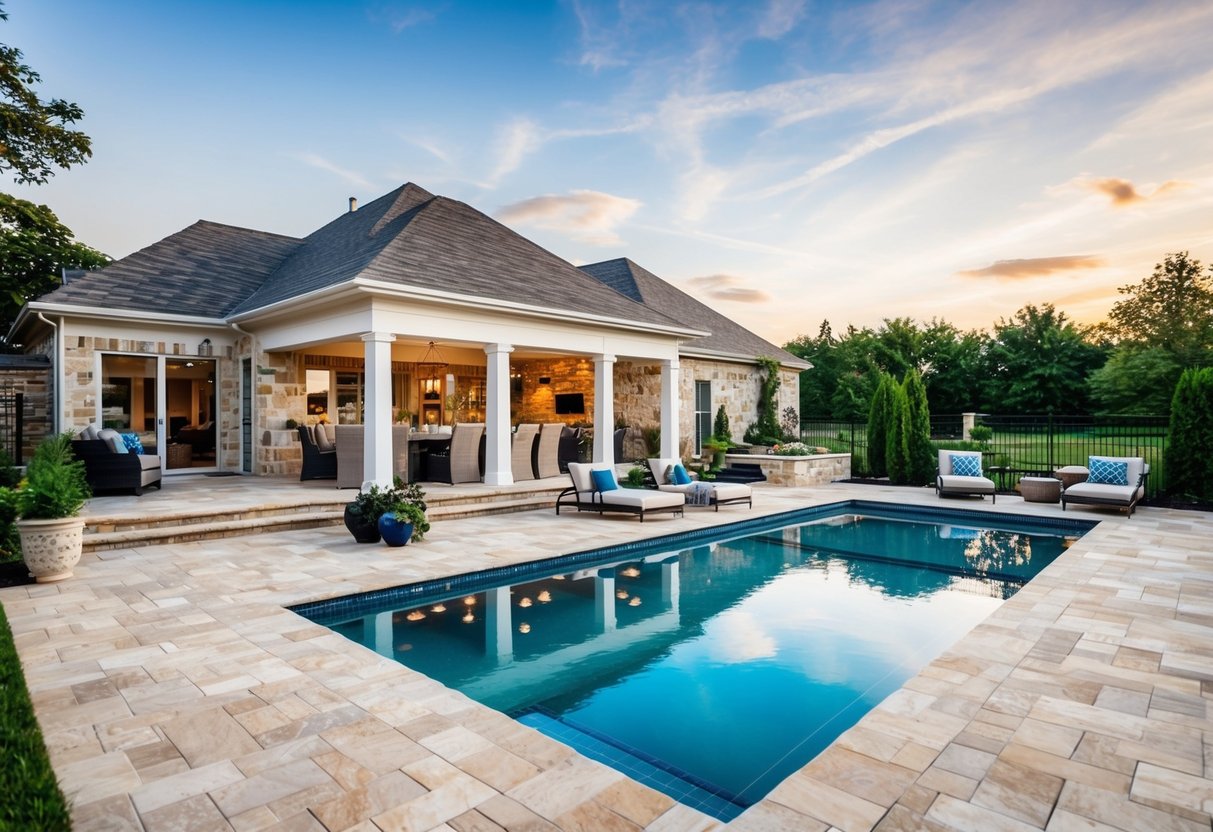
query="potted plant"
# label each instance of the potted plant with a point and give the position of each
(363, 513)
(48, 508)
(404, 522)
(717, 447)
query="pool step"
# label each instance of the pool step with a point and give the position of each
(118, 532)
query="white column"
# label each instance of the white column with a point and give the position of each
(670, 584)
(498, 624)
(497, 468)
(604, 600)
(377, 632)
(604, 409)
(670, 400)
(377, 410)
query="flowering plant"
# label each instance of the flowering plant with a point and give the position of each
(792, 449)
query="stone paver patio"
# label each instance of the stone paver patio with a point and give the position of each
(176, 693)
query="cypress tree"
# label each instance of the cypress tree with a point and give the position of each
(897, 436)
(922, 452)
(720, 427)
(878, 426)
(1189, 453)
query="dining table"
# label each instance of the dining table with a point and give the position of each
(421, 443)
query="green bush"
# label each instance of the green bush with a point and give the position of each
(922, 459)
(720, 427)
(376, 502)
(897, 436)
(981, 434)
(412, 513)
(10, 540)
(767, 425)
(879, 412)
(55, 486)
(1189, 453)
(32, 798)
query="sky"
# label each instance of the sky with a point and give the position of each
(784, 162)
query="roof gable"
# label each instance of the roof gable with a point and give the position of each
(728, 337)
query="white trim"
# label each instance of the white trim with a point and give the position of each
(72, 310)
(690, 352)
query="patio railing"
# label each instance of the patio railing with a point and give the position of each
(1023, 445)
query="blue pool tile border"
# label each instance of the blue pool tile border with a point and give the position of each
(332, 610)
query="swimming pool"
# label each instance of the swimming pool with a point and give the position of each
(713, 664)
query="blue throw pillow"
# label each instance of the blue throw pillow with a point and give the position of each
(965, 466)
(1107, 471)
(133, 445)
(681, 477)
(603, 480)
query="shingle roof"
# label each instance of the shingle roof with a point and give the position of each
(413, 238)
(205, 269)
(728, 337)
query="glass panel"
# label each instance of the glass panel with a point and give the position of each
(128, 396)
(349, 398)
(318, 394)
(703, 413)
(189, 393)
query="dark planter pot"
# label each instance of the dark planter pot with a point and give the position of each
(364, 531)
(395, 532)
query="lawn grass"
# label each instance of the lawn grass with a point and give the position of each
(30, 797)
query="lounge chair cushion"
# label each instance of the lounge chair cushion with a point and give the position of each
(966, 466)
(113, 439)
(603, 480)
(321, 438)
(724, 491)
(1107, 471)
(639, 497)
(970, 485)
(1100, 491)
(90, 432)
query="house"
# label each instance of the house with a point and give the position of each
(415, 307)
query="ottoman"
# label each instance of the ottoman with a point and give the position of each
(1040, 489)
(1072, 474)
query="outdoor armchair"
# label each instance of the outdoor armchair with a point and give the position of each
(318, 463)
(1115, 481)
(351, 454)
(953, 481)
(522, 450)
(460, 460)
(547, 452)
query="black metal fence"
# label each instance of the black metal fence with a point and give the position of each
(1023, 445)
(12, 423)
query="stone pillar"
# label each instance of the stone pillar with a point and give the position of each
(377, 411)
(968, 420)
(497, 468)
(670, 399)
(604, 409)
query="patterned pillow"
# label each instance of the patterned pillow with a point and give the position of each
(966, 466)
(603, 480)
(1107, 471)
(133, 445)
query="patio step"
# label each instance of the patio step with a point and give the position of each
(119, 532)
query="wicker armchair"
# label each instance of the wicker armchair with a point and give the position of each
(522, 450)
(547, 451)
(460, 460)
(107, 470)
(318, 464)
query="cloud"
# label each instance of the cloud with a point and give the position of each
(590, 216)
(1122, 192)
(727, 287)
(1035, 267)
(352, 177)
(780, 18)
(399, 18)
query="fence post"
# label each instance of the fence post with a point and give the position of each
(1051, 440)
(967, 421)
(18, 430)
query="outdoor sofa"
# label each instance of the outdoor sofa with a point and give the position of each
(953, 477)
(1113, 481)
(640, 501)
(109, 465)
(319, 452)
(722, 493)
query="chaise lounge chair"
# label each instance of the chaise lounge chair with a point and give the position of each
(1116, 481)
(586, 497)
(723, 493)
(958, 474)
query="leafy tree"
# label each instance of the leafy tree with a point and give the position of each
(952, 367)
(34, 247)
(34, 134)
(879, 414)
(1172, 309)
(921, 453)
(897, 435)
(1135, 381)
(1039, 361)
(1189, 454)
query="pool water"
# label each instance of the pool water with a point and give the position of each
(713, 672)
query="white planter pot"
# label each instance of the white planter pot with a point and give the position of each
(51, 548)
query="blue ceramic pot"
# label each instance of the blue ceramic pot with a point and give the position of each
(395, 532)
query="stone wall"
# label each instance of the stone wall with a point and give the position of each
(279, 393)
(34, 385)
(821, 469)
(533, 402)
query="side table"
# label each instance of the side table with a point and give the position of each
(1072, 474)
(1040, 489)
(179, 456)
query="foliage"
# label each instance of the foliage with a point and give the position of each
(981, 434)
(790, 423)
(652, 439)
(635, 476)
(755, 436)
(1172, 310)
(414, 514)
(1038, 361)
(10, 539)
(32, 798)
(34, 247)
(768, 405)
(879, 414)
(9, 475)
(922, 459)
(793, 449)
(34, 135)
(1135, 381)
(375, 502)
(1189, 453)
(897, 436)
(720, 426)
(55, 486)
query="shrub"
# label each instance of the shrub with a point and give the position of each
(10, 540)
(897, 435)
(922, 459)
(412, 513)
(878, 426)
(1189, 453)
(720, 427)
(790, 424)
(376, 502)
(635, 476)
(652, 440)
(981, 434)
(767, 425)
(55, 486)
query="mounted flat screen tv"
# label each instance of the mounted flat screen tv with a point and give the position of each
(570, 403)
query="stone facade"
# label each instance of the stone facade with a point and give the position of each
(34, 385)
(821, 469)
(534, 402)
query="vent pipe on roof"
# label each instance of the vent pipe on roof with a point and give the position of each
(353, 204)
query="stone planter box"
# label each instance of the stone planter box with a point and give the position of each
(818, 469)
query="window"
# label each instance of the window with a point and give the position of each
(703, 413)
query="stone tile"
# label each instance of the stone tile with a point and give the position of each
(209, 736)
(512, 815)
(559, 789)
(498, 768)
(364, 802)
(969, 762)
(637, 803)
(268, 786)
(94, 778)
(823, 802)
(768, 815)
(451, 799)
(1087, 802)
(903, 819)
(473, 821)
(958, 814)
(346, 773)
(1125, 701)
(152, 796)
(874, 781)
(109, 814)
(1044, 736)
(194, 814)
(1173, 791)
(1030, 758)
(1018, 793)
(948, 782)
(593, 817)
